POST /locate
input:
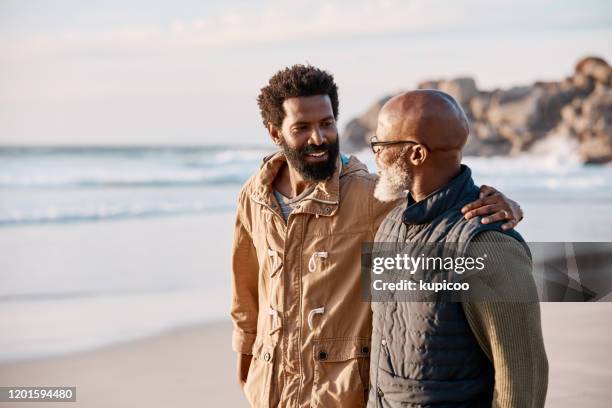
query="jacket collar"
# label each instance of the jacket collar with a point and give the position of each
(323, 200)
(440, 200)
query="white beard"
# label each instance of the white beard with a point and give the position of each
(392, 183)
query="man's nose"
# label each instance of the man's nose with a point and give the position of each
(317, 137)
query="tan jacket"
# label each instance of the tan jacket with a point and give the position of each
(297, 304)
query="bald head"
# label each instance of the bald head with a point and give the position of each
(430, 117)
(437, 123)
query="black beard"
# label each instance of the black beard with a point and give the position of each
(315, 171)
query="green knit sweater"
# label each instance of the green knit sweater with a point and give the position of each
(510, 334)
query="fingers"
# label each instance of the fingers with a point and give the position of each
(509, 225)
(518, 213)
(494, 207)
(492, 199)
(483, 210)
(494, 213)
(513, 208)
(486, 191)
(498, 216)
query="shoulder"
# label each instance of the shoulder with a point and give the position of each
(356, 179)
(247, 189)
(361, 176)
(497, 239)
(493, 236)
(396, 211)
(244, 205)
(502, 250)
(506, 274)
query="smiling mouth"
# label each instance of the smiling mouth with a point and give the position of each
(317, 155)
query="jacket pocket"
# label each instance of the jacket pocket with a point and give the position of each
(341, 372)
(393, 391)
(258, 387)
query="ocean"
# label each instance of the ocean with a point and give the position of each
(74, 184)
(107, 244)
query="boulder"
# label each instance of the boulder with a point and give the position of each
(516, 107)
(596, 68)
(358, 131)
(591, 122)
(355, 136)
(428, 85)
(509, 121)
(597, 149)
(582, 84)
(479, 105)
(462, 89)
(493, 146)
(535, 109)
(597, 108)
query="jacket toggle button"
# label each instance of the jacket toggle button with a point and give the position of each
(311, 315)
(312, 262)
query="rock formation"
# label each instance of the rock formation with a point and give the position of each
(510, 121)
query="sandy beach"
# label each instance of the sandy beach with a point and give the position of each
(194, 367)
(190, 367)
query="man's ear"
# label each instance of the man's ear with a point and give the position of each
(418, 155)
(275, 134)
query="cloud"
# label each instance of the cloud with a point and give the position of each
(282, 22)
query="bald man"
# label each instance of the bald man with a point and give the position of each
(443, 353)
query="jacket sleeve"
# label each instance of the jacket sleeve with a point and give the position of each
(245, 274)
(510, 333)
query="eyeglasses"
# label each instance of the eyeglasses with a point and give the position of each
(378, 146)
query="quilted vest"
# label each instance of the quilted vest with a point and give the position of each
(424, 354)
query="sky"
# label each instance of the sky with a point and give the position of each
(188, 72)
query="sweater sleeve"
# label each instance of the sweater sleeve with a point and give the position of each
(510, 333)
